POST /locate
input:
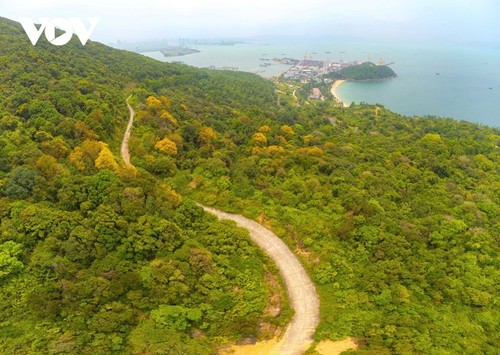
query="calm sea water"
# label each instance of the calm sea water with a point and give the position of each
(461, 82)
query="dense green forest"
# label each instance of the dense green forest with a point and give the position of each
(99, 258)
(364, 72)
(395, 218)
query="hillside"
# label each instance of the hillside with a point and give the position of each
(99, 258)
(395, 218)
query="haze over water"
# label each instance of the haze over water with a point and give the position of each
(457, 81)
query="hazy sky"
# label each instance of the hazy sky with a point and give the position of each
(399, 20)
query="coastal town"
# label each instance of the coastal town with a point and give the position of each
(318, 80)
(322, 74)
(312, 78)
(307, 69)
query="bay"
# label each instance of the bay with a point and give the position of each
(457, 81)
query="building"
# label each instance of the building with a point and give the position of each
(315, 94)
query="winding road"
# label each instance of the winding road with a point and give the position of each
(301, 291)
(300, 288)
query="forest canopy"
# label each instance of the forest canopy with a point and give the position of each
(396, 219)
(367, 71)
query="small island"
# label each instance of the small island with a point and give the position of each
(177, 51)
(366, 71)
(162, 46)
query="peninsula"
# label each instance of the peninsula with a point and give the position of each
(318, 79)
(308, 70)
(366, 71)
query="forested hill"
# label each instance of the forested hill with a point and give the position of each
(395, 218)
(74, 79)
(367, 71)
(98, 258)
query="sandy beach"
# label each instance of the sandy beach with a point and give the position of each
(334, 91)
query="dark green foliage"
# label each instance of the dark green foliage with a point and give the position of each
(94, 272)
(21, 183)
(367, 71)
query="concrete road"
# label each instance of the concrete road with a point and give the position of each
(301, 291)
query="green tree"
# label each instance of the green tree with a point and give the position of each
(176, 317)
(9, 262)
(21, 183)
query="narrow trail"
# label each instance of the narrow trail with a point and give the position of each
(301, 292)
(295, 97)
(124, 149)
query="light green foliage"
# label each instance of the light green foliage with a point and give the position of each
(176, 317)
(396, 219)
(9, 263)
(150, 338)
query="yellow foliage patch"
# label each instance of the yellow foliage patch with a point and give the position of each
(106, 160)
(312, 151)
(259, 139)
(287, 130)
(207, 135)
(167, 116)
(166, 146)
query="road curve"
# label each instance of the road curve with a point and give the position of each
(124, 149)
(301, 291)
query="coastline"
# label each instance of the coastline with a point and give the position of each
(334, 91)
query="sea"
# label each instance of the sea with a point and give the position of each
(460, 81)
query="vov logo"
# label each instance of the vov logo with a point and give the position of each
(69, 26)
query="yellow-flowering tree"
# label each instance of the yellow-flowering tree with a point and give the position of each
(207, 136)
(166, 146)
(154, 105)
(259, 139)
(287, 130)
(167, 116)
(106, 160)
(265, 129)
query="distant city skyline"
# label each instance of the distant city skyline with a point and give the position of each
(383, 20)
